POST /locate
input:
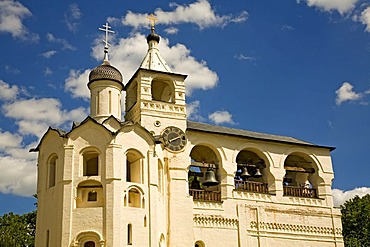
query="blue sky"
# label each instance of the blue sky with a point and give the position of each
(294, 68)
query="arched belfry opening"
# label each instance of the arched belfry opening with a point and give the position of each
(162, 90)
(301, 176)
(204, 174)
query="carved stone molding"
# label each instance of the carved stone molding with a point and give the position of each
(214, 221)
(291, 228)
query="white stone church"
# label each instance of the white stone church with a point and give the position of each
(156, 179)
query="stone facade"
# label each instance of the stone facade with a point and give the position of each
(111, 183)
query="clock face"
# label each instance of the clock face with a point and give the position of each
(174, 138)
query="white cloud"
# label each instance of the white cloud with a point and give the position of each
(365, 18)
(342, 6)
(33, 116)
(340, 196)
(48, 71)
(12, 70)
(9, 140)
(12, 14)
(244, 58)
(64, 43)
(76, 83)
(192, 111)
(72, 17)
(199, 13)
(8, 92)
(171, 30)
(346, 93)
(18, 165)
(48, 54)
(220, 117)
(287, 27)
(18, 176)
(127, 54)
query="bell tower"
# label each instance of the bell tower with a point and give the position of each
(155, 96)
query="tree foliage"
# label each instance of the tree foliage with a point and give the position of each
(356, 221)
(17, 230)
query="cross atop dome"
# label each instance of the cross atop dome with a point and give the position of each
(152, 20)
(107, 30)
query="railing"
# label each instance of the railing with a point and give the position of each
(202, 195)
(300, 191)
(258, 187)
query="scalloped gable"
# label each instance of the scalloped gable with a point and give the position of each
(112, 123)
(138, 129)
(50, 131)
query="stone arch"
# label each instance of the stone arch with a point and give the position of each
(135, 197)
(88, 236)
(134, 166)
(302, 174)
(199, 243)
(91, 163)
(89, 194)
(253, 170)
(205, 161)
(163, 89)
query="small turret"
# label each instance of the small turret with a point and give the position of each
(105, 84)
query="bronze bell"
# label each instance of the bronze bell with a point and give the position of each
(257, 174)
(210, 178)
(245, 174)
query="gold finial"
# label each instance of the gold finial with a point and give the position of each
(152, 20)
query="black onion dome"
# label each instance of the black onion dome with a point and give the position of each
(153, 36)
(105, 72)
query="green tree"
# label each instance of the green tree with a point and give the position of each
(356, 221)
(17, 230)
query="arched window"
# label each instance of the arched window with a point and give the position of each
(92, 196)
(52, 164)
(90, 163)
(129, 234)
(89, 194)
(162, 90)
(199, 244)
(89, 244)
(134, 168)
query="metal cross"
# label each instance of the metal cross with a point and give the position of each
(106, 30)
(152, 20)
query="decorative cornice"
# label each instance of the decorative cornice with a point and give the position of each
(291, 228)
(214, 221)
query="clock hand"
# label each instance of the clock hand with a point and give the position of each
(174, 139)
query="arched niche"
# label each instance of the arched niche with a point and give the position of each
(52, 170)
(199, 243)
(134, 166)
(89, 194)
(90, 162)
(134, 197)
(163, 90)
(88, 239)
